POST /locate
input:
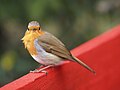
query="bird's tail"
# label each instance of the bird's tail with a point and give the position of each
(83, 64)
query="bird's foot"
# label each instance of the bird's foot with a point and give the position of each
(42, 69)
(37, 71)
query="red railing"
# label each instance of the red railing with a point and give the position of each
(101, 53)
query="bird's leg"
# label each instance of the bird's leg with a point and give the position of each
(42, 69)
(42, 66)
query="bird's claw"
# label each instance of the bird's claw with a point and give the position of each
(42, 69)
(37, 71)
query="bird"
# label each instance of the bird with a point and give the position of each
(47, 49)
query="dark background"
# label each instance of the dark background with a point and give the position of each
(72, 21)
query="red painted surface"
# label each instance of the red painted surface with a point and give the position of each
(101, 53)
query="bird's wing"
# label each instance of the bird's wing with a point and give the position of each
(53, 45)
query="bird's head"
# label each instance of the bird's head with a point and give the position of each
(33, 32)
(34, 26)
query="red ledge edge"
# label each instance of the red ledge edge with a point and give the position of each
(101, 53)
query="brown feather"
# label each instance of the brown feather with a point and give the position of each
(52, 45)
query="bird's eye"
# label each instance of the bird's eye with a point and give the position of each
(39, 28)
(28, 29)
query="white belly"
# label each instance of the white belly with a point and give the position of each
(47, 59)
(44, 57)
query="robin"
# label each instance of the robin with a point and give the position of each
(46, 49)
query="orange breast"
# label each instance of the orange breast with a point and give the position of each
(31, 48)
(28, 40)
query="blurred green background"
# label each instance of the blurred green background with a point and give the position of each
(72, 21)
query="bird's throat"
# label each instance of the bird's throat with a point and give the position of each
(28, 40)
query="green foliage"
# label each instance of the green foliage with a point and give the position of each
(8, 61)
